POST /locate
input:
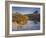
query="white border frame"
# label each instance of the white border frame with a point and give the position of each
(24, 32)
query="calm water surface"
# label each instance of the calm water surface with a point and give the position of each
(31, 25)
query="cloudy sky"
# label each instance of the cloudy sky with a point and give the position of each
(25, 10)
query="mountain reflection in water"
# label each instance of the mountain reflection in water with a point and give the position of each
(31, 25)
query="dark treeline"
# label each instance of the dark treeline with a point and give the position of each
(33, 17)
